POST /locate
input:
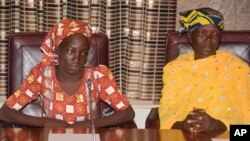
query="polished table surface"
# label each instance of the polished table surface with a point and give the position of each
(109, 134)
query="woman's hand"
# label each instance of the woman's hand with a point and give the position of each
(199, 121)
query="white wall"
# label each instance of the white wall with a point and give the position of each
(142, 109)
(140, 117)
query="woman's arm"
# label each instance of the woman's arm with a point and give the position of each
(13, 116)
(110, 93)
(117, 118)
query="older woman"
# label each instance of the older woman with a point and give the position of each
(63, 83)
(206, 89)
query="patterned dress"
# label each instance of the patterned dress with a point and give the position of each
(220, 84)
(58, 104)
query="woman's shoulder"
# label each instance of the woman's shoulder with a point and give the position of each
(231, 57)
(37, 69)
(182, 58)
(104, 70)
(100, 67)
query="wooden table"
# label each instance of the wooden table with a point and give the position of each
(110, 134)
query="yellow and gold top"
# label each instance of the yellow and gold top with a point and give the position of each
(220, 84)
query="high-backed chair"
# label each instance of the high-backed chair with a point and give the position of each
(24, 53)
(237, 42)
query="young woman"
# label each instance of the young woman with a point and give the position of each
(62, 82)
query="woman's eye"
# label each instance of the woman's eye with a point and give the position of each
(199, 33)
(84, 53)
(69, 51)
(217, 34)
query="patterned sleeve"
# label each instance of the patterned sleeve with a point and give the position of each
(28, 91)
(110, 92)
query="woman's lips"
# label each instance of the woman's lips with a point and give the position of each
(75, 66)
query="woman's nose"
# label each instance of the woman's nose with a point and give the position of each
(209, 36)
(76, 56)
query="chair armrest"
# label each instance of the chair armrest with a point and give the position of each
(4, 124)
(130, 124)
(153, 121)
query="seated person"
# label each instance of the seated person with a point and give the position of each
(206, 89)
(63, 82)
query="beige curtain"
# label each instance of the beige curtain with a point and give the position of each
(136, 31)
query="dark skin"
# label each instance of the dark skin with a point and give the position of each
(72, 55)
(205, 40)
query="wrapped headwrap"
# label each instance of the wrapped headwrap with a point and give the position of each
(192, 19)
(63, 29)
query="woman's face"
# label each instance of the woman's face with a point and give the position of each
(73, 53)
(205, 40)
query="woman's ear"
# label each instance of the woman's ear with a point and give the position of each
(221, 33)
(189, 36)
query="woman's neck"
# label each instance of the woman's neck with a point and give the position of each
(202, 56)
(64, 76)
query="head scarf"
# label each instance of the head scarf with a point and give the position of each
(60, 31)
(192, 19)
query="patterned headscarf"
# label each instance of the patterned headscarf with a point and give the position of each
(192, 19)
(63, 29)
